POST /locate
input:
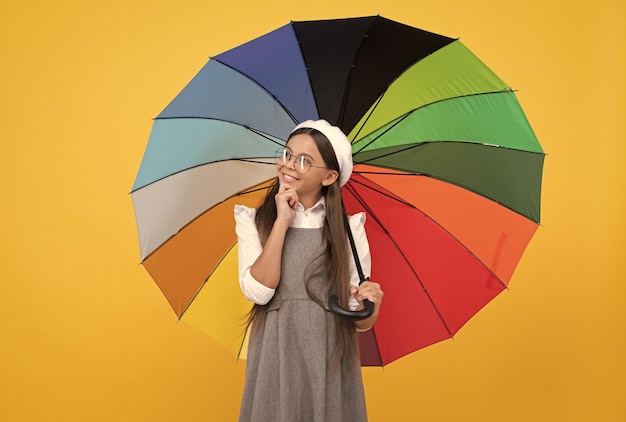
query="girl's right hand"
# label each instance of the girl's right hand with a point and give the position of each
(286, 203)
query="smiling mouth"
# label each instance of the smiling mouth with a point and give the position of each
(289, 179)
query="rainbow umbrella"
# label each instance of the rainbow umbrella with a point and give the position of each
(447, 169)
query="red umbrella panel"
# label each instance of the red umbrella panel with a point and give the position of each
(447, 250)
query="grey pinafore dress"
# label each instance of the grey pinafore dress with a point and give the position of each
(290, 375)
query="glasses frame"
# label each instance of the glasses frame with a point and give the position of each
(283, 158)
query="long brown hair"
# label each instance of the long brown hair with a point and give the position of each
(335, 255)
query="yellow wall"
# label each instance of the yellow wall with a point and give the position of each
(86, 336)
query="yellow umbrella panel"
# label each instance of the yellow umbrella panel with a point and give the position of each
(219, 310)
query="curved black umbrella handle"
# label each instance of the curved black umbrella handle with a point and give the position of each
(335, 307)
(333, 300)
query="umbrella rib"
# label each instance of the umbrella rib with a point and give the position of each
(381, 191)
(263, 135)
(243, 341)
(419, 144)
(206, 279)
(404, 116)
(260, 86)
(246, 160)
(397, 122)
(390, 173)
(232, 122)
(387, 154)
(370, 211)
(246, 192)
(253, 161)
(346, 91)
(371, 111)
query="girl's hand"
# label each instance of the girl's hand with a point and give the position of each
(368, 290)
(286, 203)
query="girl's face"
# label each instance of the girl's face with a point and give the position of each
(308, 185)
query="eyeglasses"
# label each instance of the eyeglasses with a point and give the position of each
(302, 164)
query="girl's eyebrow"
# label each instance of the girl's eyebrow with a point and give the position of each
(307, 155)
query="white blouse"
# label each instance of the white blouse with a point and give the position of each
(249, 247)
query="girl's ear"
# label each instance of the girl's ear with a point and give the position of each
(329, 179)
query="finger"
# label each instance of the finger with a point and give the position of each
(371, 293)
(293, 199)
(286, 192)
(371, 287)
(284, 187)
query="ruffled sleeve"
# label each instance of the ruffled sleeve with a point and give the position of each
(249, 249)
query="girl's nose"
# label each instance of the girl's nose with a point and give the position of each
(291, 162)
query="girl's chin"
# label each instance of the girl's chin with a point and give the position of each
(284, 184)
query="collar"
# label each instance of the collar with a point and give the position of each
(321, 205)
(310, 218)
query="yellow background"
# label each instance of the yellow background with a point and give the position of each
(85, 335)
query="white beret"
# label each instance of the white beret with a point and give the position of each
(340, 143)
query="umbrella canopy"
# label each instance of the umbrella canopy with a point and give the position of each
(447, 169)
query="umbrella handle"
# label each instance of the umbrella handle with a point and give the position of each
(333, 300)
(366, 312)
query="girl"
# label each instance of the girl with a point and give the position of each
(293, 252)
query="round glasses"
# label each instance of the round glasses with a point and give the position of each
(302, 164)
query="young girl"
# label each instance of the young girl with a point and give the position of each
(303, 362)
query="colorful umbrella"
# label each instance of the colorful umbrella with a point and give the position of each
(447, 169)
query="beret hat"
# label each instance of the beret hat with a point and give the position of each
(339, 141)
